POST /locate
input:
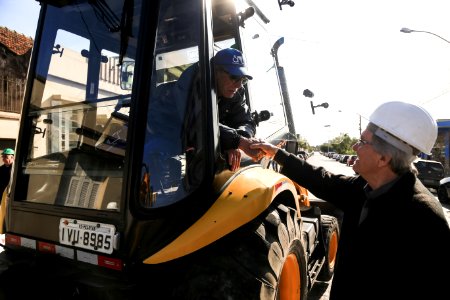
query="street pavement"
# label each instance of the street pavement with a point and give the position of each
(321, 290)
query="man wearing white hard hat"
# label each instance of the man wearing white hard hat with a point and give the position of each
(395, 239)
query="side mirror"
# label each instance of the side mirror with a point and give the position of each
(249, 12)
(127, 75)
(264, 115)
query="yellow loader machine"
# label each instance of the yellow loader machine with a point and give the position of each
(120, 188)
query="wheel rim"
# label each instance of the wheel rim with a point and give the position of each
(290, 283)
(332, 249)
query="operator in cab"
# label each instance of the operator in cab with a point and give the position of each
(237, 127)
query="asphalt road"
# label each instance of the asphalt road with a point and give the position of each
(321, 290)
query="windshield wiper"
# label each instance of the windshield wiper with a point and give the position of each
(106, 15)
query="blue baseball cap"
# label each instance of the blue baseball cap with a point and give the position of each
(232, 61)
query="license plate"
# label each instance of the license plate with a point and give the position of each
(87, 235)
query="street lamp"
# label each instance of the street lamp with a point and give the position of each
(407, 30)
(307, 93)
(324, 105)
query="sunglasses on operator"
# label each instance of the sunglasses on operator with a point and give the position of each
(237, 79)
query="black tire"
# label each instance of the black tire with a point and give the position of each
(442, 194)
(330, 234)
(250, 262)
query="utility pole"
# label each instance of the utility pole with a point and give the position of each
(360, 125)
(328, 144)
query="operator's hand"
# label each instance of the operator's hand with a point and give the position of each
(268, 150)
(244, 145)
(234, 158)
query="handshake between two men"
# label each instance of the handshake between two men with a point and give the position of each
(255, 148)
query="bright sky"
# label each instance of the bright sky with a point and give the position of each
(20, 15)
(350, 53)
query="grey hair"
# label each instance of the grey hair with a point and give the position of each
(401, 162)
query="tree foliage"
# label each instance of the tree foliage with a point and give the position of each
(303, 144)
(341, 144)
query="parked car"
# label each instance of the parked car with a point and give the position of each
(343, 159)
(430, 172)
(303, 154)
(351, 160)
(444, 190)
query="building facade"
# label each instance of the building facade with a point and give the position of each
(15, 53)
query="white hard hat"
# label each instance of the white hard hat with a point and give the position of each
(407, 122)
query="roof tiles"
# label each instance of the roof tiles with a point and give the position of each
(14, 41)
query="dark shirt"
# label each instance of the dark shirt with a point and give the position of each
(235, 118)
(400, 250)
(235, 121)
(5, 174)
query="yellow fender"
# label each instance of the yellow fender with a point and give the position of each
(3, 209)
(249, 193)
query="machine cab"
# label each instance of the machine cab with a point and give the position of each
(117, 129)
